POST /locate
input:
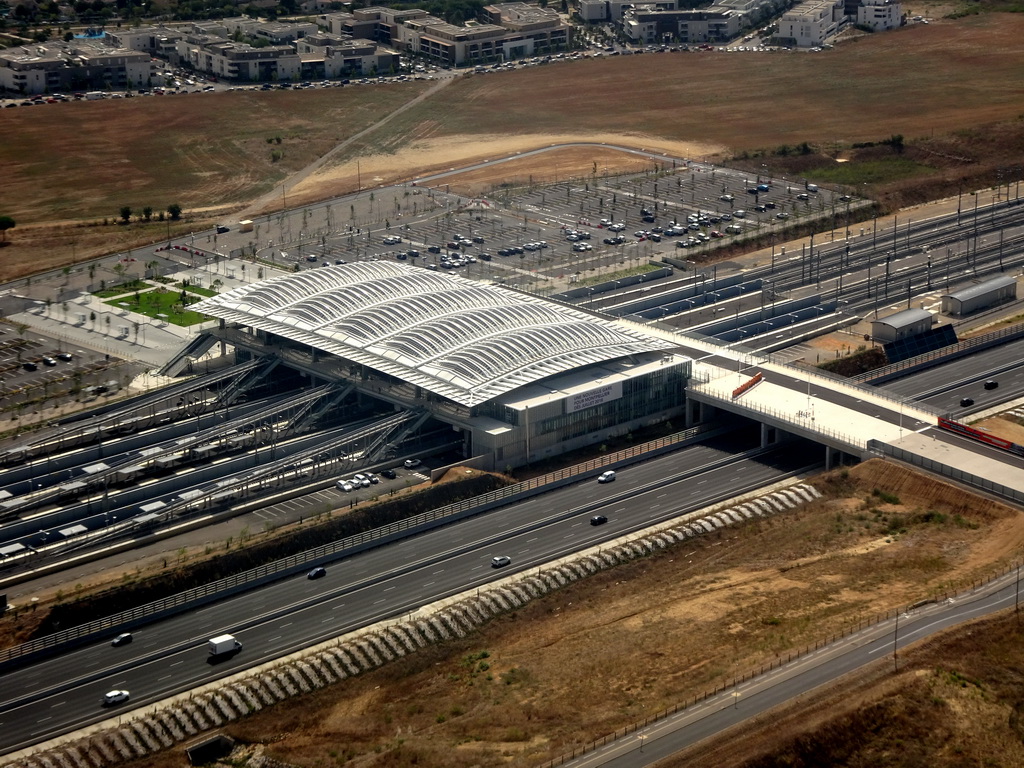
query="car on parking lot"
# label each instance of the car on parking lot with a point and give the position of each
(501, 561)
(49, 361)
(28, 365)
(782, 215)
(726, 217)
(115, 697)
(123, 639)
(411, 463)
(966, 401)
(991, 384)
(65, 356)
(803, 196)
(727, 198)
(760, 208)
(607, 476)
(317, 573)
(433, 248)
(478, 239)
(769, 205)
(763, 188)
(390, 474)
(598, 520)
(345, 485)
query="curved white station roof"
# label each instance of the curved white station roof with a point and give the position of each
(461, 339)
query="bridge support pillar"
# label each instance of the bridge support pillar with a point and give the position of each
(771, 435)
(697, 412)
(833, 457)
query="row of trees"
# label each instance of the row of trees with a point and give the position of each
(173, 212)
(6, 222)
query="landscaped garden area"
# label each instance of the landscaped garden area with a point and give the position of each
(159, 302)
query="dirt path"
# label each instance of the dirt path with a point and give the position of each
(261, 204)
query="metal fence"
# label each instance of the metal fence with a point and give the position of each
(781, 660)
(960, 349)
(937, 467)
(287, 566)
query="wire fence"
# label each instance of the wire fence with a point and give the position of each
(782, 660)
(286, 566)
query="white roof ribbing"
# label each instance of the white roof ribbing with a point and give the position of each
(463, 340)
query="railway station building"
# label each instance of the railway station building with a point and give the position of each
(517, 377)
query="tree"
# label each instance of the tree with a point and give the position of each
(126, 213)
(6, 222)
(174, 210)
(147, 212)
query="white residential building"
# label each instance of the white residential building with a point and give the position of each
(813, 22)
(880, 14)
(72, 66)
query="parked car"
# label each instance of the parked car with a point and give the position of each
(65, 356)
(49, 361)
(30, 366)
(316, 573)
(607, 476)
(411, 463)
(500, 561)
(390, 474)
(123, 639)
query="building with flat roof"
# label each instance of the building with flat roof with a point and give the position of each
(507, 31)
(518, 377)
(880, 15)
(812, 22)
(72, 66)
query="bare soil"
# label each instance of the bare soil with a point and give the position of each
(215, 153)
(605, 652)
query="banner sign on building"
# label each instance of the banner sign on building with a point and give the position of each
(593, 397)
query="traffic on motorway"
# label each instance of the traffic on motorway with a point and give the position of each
(64, 692)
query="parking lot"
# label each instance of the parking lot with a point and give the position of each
(542, 238)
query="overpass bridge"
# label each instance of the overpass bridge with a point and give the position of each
(844, 417)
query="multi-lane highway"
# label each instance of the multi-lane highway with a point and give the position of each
(64, 693)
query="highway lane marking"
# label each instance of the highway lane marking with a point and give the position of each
(275, 638)
(339, 605)
(530, 541)
(165, 677)
(287, 625)
(662, 496)
(376, 602)
(388, 589)
(324, 621)
(58, 704)
(176, 663)
(430, 584)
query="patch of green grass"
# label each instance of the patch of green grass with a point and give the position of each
(871, 172)
(172, 304)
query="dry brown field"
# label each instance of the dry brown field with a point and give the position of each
(626, 643)
(68, 166)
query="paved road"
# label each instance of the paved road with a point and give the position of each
(63, 693)
(778, 686)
